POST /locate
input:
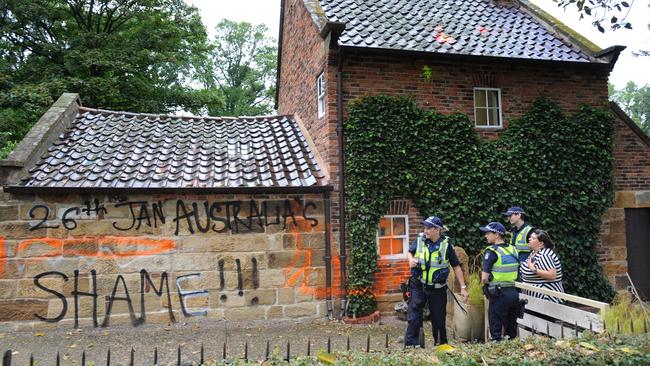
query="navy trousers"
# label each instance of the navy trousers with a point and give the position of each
(436, 299)
(503, 314)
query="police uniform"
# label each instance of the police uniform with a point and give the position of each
(520, 241)
(502, 264)
(520, 236)
(428, 285)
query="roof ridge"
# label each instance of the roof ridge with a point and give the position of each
(83, 109)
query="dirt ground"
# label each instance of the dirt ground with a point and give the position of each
(70, 343)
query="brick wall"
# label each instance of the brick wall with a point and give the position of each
(631, 159)
(451, 86)
(236, 265)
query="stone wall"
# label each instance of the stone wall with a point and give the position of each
(194, 257)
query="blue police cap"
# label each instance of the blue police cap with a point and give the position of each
(514, 210)
(494, 227)
(433, 221)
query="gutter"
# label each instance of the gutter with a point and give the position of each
(328, 256)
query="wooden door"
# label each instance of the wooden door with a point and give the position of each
(637, 226)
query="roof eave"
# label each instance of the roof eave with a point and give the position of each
(188, 190)
(465, 57)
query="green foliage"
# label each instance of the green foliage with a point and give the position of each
(136, 55)
(612, 12)
(538, 351)
(635, 101)
(558, 167)
(474, 289)
(241, 70)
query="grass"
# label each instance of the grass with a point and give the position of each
(625, 317)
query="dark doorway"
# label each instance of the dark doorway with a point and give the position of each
(637, 227)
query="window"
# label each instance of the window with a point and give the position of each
(392, 236)
(487, 107)
(320, 90)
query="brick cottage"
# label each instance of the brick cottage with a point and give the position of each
(109, 217)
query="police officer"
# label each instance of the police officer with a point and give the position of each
(500, 269)
(430, 256)
(517, 218)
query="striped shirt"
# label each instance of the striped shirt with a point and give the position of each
(544, 260)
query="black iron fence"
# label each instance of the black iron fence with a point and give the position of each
(225, 353)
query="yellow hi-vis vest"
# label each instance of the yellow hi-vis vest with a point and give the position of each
(505, 269)
(520, 240)
(437, 260)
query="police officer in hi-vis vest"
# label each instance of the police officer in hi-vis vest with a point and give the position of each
(430, 257)
(500, 269)
(517, 218)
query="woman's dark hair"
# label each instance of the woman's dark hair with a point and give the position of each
(544, 238)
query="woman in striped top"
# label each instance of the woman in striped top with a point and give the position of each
(543, 268)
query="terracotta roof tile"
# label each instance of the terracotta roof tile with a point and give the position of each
(105, 149)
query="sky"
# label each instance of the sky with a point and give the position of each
(627, 67)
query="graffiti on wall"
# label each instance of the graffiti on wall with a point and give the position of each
(201, 217)
(188, 295)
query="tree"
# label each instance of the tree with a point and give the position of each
(635, 101)
(601, 11)
(136, 55)
(240, 71)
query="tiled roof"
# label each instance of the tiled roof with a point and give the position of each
(105, 149)
(463, 27)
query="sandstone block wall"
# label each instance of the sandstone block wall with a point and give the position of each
(91, 260)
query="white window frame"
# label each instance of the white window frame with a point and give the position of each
(488, 108)
(405, 237)
(320, 94)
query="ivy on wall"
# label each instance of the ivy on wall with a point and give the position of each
(559, 167)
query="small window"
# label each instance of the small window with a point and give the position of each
(392, 236)
(320, 90)
(487, 107)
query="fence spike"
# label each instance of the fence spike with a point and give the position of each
(31, 359)
(518, 333)
(548, 331)
(108, 358)
(132, 357)
(288, 351)
(347, 344)
(178, 355)
(645, 326)
(329, 344)
(58, 359)
(618, 326)
(386, 340)
(6, 358)
(533, 328)
(631, 326)
(246, 351)
(225, 349)
(266, 356)
(471, 333)
(83, 358)
(591, 326)
(561, 329)
(202, 354)
(576, 325)
(155, 356)
(309, 346)
(604, 325)
(368, 343)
